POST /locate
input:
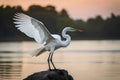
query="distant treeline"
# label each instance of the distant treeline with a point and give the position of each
(94, 28)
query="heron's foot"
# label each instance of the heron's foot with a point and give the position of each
(53, 69)
(50, 69)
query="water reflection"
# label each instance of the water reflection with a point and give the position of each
(10, 65)
(85, 60)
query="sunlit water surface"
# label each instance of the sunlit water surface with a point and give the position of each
(84, 60)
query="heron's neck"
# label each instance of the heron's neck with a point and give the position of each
(67, 37)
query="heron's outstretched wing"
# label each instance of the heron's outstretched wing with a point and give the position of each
(32, 28)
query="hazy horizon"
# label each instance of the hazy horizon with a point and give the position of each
(77, 9)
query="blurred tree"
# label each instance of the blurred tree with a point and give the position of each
(94, 28)
(112, 27)
(64, 13)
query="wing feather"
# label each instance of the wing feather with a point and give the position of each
(32, 28)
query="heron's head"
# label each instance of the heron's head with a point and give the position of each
(73, 29)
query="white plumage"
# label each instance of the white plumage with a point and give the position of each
(32, 27)
(37, 30)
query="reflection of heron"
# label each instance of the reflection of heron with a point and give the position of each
(37, 30)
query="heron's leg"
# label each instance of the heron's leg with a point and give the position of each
(52, 61)
(49, 61)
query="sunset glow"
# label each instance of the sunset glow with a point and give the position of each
(77, 9)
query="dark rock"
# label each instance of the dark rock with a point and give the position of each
(50, 75)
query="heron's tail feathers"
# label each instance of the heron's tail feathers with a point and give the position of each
(37, 52)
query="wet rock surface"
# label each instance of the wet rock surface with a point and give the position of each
(58, 74)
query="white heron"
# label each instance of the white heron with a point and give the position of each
(37, 30)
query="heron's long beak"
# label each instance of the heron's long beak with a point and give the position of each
(79, 30)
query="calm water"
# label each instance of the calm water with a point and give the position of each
(85, 60)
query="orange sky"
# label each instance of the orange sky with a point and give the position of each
(77, 9)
